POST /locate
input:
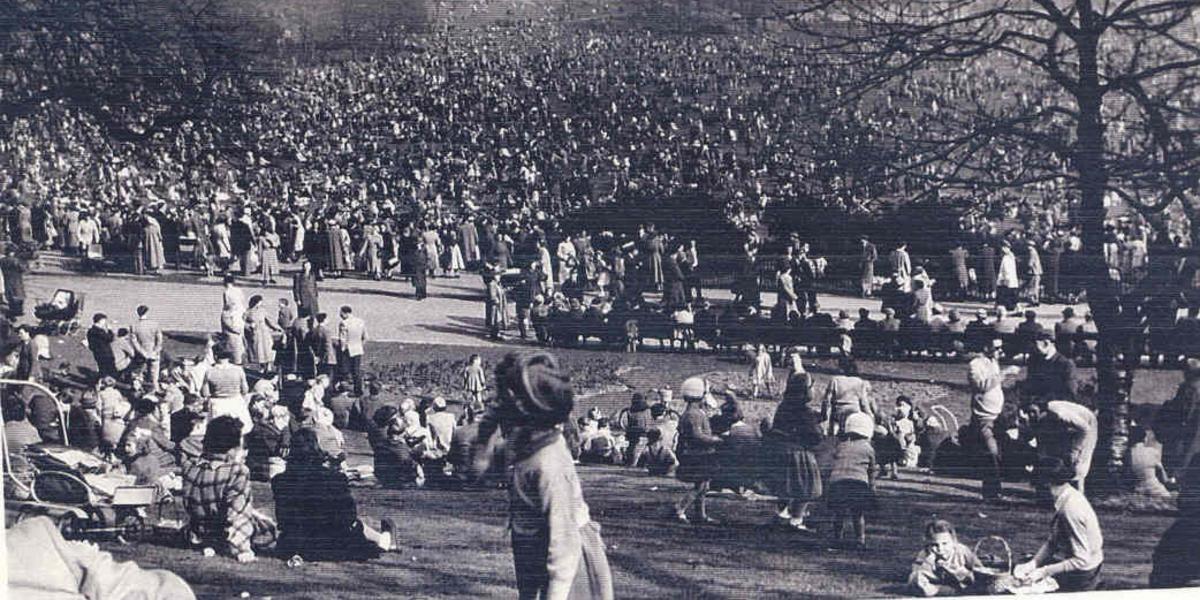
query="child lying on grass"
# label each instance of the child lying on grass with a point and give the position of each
(945, 567)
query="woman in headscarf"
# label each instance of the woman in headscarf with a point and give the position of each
(557, 549)
(790, 446)
(317, 515)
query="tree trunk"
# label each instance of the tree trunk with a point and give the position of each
(1114, 373)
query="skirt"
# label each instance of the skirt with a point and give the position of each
(796, 476)
(695, 468)
(850, 497)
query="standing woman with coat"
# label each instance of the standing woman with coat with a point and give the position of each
(697, 450)
(792, 470)
(268, 251)
(260, 339)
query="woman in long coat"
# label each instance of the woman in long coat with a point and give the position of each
(152, 242)
(339, 257)
(372, 249)
(260, 340)
(791, 470)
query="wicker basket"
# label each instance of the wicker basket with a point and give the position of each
(995, 579)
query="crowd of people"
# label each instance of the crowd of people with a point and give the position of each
(202, 427)
(472, 154)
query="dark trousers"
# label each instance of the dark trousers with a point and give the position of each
(353, 371)
(1007, 297)
(1079, 581)
(992, 475)
(523, 321)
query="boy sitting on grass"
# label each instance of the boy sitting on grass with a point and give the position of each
(945, 567)
(658, 458)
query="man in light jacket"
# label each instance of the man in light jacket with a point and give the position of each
(147, 339)
(352, 339)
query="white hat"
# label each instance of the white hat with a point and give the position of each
(693, 388)
(860, 423)
(439, 403)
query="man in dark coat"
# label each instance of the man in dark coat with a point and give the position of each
(1177, 424)
(44, 415)
(420, 279)
(28, 368)
(304, 290)
(1051, 375)
(14, 269)
(241, 241)
(100, 339)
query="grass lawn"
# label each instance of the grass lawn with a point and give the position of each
(454, 544)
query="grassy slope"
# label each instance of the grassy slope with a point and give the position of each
(455, 544)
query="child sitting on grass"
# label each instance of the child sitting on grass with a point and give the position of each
(600, 447)
(945, 566)
(851, 491)
(658, 458)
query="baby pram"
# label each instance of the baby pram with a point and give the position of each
(61, 313)
(73, 488)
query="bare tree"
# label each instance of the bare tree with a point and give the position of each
(1108, 104)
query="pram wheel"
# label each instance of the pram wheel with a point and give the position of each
(69, 526)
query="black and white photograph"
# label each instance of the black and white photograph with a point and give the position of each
(599, 299)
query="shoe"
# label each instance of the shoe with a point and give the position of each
(388, 528)
(798, 525)
(709, 521)
(682, 518)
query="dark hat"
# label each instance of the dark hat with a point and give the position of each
(534, 390)
(1045, 335)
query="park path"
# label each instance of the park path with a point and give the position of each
(453, 313)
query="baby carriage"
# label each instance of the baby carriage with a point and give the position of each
(74, 488)
(61, 314)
